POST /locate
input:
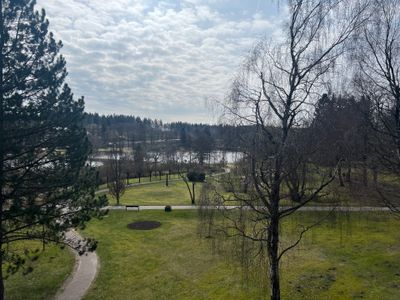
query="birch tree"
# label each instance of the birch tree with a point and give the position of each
(274, 93)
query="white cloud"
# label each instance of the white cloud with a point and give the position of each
(157, 59)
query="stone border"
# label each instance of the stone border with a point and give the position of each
(83, 275)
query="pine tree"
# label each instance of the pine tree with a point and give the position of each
(45, 186)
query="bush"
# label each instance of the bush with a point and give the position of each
(196, 176)
(168, 208)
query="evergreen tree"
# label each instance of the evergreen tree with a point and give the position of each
(45, 186)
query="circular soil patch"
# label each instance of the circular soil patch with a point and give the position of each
(144, 225)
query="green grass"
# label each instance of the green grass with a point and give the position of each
(154, 178)
(353, 255)
(349, 256)
(157, 194)
(166, 263)
(49, 273)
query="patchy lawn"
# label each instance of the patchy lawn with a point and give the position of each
(349, 256)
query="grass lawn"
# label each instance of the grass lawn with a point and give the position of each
(349, 256)
(157, 194)
(154, 178)
(49, 273)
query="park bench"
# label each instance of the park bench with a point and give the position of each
(132, 206)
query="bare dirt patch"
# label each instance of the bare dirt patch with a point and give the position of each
(144, 225)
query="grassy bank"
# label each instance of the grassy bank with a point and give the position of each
(49, 272)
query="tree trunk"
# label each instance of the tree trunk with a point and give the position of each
(97, 179)
(2, 291)
(150, 176)
(127, 178)
(193, 194)
(365, 171)
(166, 179)
(273, 226)
(375, 175)
(348, 174)
(245, 185)
(340, 173)
(2, 183)
(273, 246)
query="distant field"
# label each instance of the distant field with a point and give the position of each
(157, 194)
(146, 179)
(349, 256)
(49, 273)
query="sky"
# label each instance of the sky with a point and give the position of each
(169, 60)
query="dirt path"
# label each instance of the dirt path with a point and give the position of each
(86, 266)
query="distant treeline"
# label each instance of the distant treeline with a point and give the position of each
(340, 135)
(131, 130)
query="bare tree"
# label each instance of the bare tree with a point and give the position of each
(138, 160)
(153, 160)
(273, 94)
(115, 172)
(170, 154)
(193, 177)
(379, 81)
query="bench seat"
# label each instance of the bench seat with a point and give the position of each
(132, 206)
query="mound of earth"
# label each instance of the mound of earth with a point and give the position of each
(144, 225)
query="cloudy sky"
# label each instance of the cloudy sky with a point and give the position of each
(168, 60)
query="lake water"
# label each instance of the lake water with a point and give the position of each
(181, 156)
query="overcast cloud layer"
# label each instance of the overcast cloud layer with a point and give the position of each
(157, 59)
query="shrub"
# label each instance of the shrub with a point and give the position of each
(168, 208)
(196, 176)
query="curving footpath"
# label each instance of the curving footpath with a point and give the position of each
(86, 266)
